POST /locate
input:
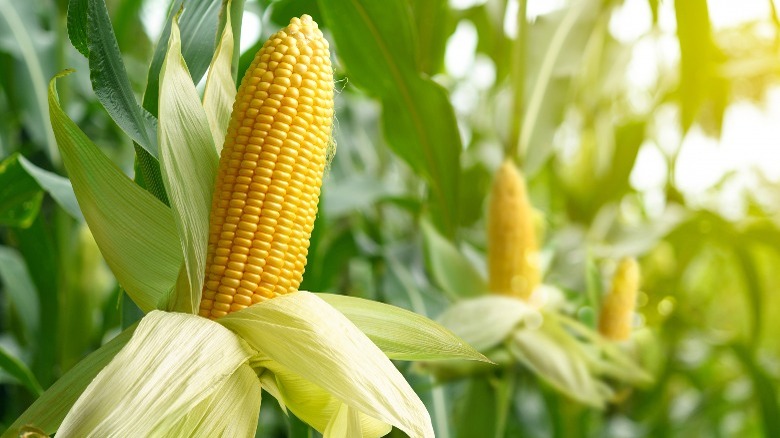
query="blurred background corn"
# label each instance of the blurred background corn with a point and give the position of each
(512, 243)
(618, 306)
(270, 172)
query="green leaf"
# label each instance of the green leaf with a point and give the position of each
(188, 160)
(308, 337)
(418, 119)
(765, 389)
(19, 371)
(48, 411)
(20, 196)
(401, 334)
(135, 232)
(172, 363)
(77, 25)
(434, 24)
(476, 414)
(21, 24)
(220, 91)
(697, 50)
(110, 80)
(487, 321)
(454, 273)
(20, 290)
(57, 186)
(198, 25)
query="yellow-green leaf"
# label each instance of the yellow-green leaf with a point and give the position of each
(189, 167)
(402, 334)
(135, 232)
(310, 338)
(314, 405)
(230, 411)
(220, 91)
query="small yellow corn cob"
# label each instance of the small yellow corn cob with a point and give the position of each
(512, 246)
(270, 172)
(617, 309)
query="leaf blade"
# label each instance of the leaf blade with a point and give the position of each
(135, 232)
(401, 334)
(111, 83)
(322, 346)
(188, 162)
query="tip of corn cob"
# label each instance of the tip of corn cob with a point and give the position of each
(270, 172)
(617, 309)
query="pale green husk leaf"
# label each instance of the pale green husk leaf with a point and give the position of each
(560, 360)
(173, 362)
(220, 91)
(348, 422)
(308, 337)
(608, 359)
(135, 232)
(48, 411)
(402, 334)
(189, 167)
(487, 321)
(230, 411)
(311, 403)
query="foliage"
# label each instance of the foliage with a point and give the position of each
(420, 135)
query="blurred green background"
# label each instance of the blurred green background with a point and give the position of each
(645, 128)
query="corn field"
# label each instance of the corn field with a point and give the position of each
(357, 218)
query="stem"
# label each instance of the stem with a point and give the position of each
(518, 81)
(504, 402)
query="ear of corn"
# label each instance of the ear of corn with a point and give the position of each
(270, 172)
(512, 244)
(617, 309)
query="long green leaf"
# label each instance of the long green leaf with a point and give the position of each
(189, 163)
(77, 25)
(18, 370)
(418, 119)
(20, 290)
(60, 188)
(48, 411)
(401, 334)
(110, 80)
(31, 56)
(135, 232)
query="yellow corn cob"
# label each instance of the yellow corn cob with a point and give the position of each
(617, 309)
(512, 246)
(270, 172)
